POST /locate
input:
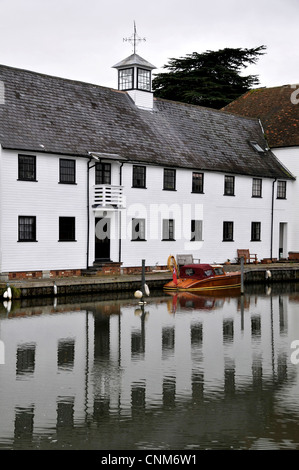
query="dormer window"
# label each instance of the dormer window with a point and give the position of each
(126, 79)
(143, 79)
(257, 147)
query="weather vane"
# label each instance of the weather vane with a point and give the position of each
(134, 39)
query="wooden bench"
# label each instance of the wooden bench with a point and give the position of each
(247, 256)
(186, 259)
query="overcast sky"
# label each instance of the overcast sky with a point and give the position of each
(83, 39)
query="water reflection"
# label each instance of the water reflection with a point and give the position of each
(181, 372)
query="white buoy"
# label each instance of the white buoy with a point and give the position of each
(138, 294)
(268, 274)
(55, 288)
(8, 293)
(146, 289)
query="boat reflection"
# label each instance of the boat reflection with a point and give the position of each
(208, 300)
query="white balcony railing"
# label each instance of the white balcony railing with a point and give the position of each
(106, 195)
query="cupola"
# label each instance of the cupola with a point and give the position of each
(135, 77)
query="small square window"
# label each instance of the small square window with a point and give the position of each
(228, 231)
(196, 230)
(255, 231)
(67, 171)
(256, 187)
(281, 189)
(126, 79)
(66, 229)
(229, 185)
(27, 228)
(168, 230)
(197, 182)
(139, 173)
(138, 230)
(27, 167)
(103, 173)
(169, 179)
(257, 147)
(143, 79)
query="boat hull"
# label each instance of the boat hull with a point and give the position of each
(225, 281)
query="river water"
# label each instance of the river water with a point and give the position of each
(178, 373)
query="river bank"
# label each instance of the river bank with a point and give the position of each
(253, 273)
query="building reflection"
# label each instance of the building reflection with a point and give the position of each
(85, 365)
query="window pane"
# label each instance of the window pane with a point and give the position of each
(168, 229)
(281, 189)
(169, 179)
(197, 182)
(255, 231)
(256, 187)
(125, 79)
(138, 176)
(196, 230)
(228, 228)
(27, 167)
(144, 80)
(27, 228)
(103, 173)
(229, 185)
(66, 228)
(67, 171)
(138, 229)
(171, 229)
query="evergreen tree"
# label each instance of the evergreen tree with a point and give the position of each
(209, 79)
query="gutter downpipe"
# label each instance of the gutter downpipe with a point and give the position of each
(119, 239)
(88, 217)
(272, 217)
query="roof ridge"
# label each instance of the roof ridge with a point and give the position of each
(206, 108)
(56, 77)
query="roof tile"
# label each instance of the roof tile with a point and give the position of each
(74, 118)
(276, 108)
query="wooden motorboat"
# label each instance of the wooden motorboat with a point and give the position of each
(201, 277)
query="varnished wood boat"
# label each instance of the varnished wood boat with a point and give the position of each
(202, 277)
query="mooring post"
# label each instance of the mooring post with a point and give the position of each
(143, 277)
(242, 274)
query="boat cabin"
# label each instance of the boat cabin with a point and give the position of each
(200, 271)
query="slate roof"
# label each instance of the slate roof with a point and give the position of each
(55, 115)
(278, 110)
(134, 59)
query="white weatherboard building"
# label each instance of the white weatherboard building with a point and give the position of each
(278, 110)
(92, 176)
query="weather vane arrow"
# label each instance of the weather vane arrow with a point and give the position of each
(134, 39)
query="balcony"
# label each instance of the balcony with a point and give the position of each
(107, 196)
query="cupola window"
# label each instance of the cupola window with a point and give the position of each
(143, 79)
(126, 79)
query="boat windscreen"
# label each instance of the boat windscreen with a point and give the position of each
(218, 271)
(209, 273)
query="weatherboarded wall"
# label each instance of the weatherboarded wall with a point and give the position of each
(47, 200)
(212, 207)
(289, 156)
